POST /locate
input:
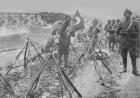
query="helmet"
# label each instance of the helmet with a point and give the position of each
(127, 11)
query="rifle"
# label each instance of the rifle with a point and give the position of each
(35, 81)
(98, 54)
(44, 63)
(102, 56)
(62, 73)
(7, 85)
(83, 54)
(71, 84)
(25, 54)
(61, 79)
(17, 57)
(79, 59)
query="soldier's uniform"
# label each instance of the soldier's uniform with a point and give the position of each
(129, 41)
(117, 36)
(106, 30)
(106, 26)
(111, 37)
(93, 33)
(64, 42)
(90, 32)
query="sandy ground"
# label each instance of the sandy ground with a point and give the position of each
(130, 84)
(127, 84)
(86, 83)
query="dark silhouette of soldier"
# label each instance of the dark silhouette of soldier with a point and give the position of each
(117, 36)
(110, 31)
(128, 29)
(106, 28)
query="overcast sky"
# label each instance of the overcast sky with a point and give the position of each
(98, 8)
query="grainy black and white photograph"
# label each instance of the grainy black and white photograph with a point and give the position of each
(69, 49)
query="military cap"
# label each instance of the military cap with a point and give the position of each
(127, 11)
(118, 20)
(67, 18)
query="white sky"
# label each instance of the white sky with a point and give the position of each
(98, 8)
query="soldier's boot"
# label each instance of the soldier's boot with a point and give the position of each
(66, 61)
(135, 71)
(124, 65)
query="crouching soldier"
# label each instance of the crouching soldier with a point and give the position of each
(128, 29)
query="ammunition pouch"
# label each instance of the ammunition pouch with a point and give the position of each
(132, 36)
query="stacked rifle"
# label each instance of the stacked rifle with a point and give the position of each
(64, 80)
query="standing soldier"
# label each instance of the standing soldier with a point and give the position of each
(93, 29)
(116, 24)
(116, 36)
(106, 30)
(64, 42)
(93, 34)
(111, 37)
(128, 29)
(106, 26)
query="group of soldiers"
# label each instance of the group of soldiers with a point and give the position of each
(110, 29)
(125, 30)
(126, 33)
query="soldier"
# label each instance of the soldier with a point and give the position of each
(117, 37)
(93, 34)
(106, 31)
(64, 42)
(111, 37)
(106, 26)
(116, 24)
(128, 29)
(94, 30)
